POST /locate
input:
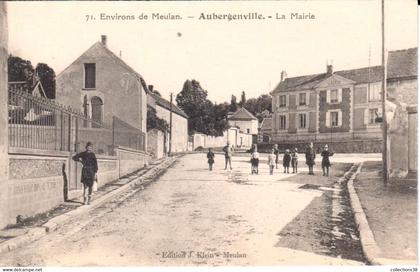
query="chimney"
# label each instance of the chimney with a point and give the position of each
(103, 39)
(283, 75)
(329, 69)
(150, 88)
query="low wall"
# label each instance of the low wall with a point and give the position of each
(36, 181)
(345, 146)
(131, 160)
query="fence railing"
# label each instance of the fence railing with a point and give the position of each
(40, 123)
(126, 135)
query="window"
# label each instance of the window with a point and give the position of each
(282, 102)
(302, 99)
(97, 105)
(90, 76)
(373, 113)
(334, 96)
(375, 91)
(282, 121)
(248, 130)
(334, 118)
(302, 120)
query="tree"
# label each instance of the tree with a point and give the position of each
(257, 106)
(20, 70)
(243, 99)
(47, 77)
(154, 122)
(233, 104)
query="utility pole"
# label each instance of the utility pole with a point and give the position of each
(384, 121)
(170, 127)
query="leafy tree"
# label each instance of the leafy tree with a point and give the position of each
(243, 99)
(154, 122)
(47, 77)
(257, 106)
(20, 70)
(233, 104)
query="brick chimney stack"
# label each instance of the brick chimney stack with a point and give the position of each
(330, 69)
(103, 39)
(150, 88)
(283, 75)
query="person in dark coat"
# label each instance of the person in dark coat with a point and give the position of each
(294, 160)
(89, 170)
(210, 159)
(277, 153)
(310, 158)
(326, 154)
(286, 161)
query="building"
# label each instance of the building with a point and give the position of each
(402, 128)
(247, 126)
(265, 130)
(179, 121)
(333, 107)
(103, 86)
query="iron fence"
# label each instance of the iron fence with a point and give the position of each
(126, 135)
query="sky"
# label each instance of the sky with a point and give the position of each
(226, 57)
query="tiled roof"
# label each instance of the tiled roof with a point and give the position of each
(361, 75)
(242, 115)
(266, 124)
(167, 105)
(402, 63)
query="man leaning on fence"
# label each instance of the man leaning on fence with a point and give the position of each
(89, 170)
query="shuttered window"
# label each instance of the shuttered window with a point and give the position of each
(282, 102)
(302, 120)
(90, 75)
(282, 122)
(302, 99)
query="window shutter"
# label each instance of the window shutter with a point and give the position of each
(340, 118)
(287, 100)
(327, 119)
(366, 116)
(340, 95)
(287, 121)
(328, 96)
(278, 100)
(307, 98)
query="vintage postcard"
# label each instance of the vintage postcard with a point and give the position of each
(208, 134)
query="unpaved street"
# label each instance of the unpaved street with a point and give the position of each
(191, 216)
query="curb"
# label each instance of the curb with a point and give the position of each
(371, 250)
(54, 223)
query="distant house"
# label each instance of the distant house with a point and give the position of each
(102, 85)
(331, 106)
(246, 124)
(179, 121)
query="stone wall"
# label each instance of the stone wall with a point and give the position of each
(157, 145)
(36, 182)
(179, 128)
(131, 160)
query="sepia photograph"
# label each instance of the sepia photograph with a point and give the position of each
(204, 134)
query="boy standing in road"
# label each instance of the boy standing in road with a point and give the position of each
(228, 149)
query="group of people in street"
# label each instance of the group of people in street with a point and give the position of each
(290, 159)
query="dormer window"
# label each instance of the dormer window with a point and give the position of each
(90, 76)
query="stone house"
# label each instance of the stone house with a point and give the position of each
(103, 86)
(402, 126)
(330, 107)
(179, 121)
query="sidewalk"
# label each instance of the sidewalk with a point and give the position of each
(32, 228)
(391, 211)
